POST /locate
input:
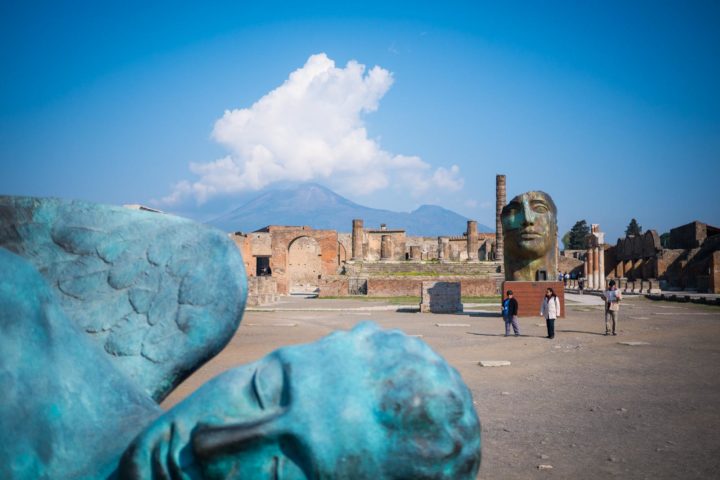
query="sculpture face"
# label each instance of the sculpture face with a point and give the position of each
(359, 404)
(530, 234)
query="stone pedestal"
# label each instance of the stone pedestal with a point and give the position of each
(441, 297)
(261, 291)
(529, 296)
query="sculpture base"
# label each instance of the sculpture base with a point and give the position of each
(529, 296)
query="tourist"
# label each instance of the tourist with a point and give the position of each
(566, 277)
(581, 285)
(612, 297)
(550, 309)
(509, 313)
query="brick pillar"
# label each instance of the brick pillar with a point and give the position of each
(472, 241)
(585, 269)
(500, 199)
(638, 269)
(590, 268)
(620, 269)
(627, 268)
(357, 239)
(386, 247)
(601, 267)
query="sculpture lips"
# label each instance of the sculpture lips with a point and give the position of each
(529, 235)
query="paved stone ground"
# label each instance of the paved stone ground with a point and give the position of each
(583, 403)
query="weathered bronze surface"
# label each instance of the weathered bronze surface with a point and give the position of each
(530, 236)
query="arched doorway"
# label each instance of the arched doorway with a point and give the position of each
(304, 265)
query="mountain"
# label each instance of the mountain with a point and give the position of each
(319, 207)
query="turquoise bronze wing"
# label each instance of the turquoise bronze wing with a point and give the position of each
(160, 295)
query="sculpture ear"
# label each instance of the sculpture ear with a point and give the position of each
(269, 384)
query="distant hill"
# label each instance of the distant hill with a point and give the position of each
(321, 208)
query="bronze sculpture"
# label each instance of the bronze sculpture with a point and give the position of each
(530, 235)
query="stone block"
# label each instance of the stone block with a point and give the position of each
(441, 297)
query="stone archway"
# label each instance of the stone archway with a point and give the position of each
(342, 254)
(304, 265)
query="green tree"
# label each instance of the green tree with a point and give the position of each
(577, 236)
(633, 228)
(566, 240)
(665, 240)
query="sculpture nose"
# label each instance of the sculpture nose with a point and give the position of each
(528, 214)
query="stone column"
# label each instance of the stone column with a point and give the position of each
(601, 267)
(472, 241)
(357, 239)
(443, 247)
(585, 269)
(386, 252)
(596, 267)
(589, 277)
(500, 199)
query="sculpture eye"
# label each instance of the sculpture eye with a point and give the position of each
(269, 384)
(540, 207)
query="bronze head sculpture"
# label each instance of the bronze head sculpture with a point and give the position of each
(530, 233)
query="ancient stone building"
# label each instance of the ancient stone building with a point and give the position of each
(296, 257)
(369, 261)
(639, 263)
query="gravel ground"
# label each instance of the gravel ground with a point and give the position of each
(582, 403)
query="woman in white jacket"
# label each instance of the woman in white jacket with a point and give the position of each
(550, 309)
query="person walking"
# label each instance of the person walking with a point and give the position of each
(509, 313)
(612, 297)
(581, 285)
(550, 309)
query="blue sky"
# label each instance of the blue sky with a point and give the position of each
(611, 107)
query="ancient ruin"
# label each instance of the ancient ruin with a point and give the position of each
(369, 261)
(640, 264)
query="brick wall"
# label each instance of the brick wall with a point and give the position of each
(411, 286)
(715, 273)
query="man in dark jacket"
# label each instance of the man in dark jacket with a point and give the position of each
(509, 313)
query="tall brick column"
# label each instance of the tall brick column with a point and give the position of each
(357, 239)
(472, 241)
(601, 267)
(500, 199)
(585, 269)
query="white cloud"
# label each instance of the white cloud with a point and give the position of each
(311, 128)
